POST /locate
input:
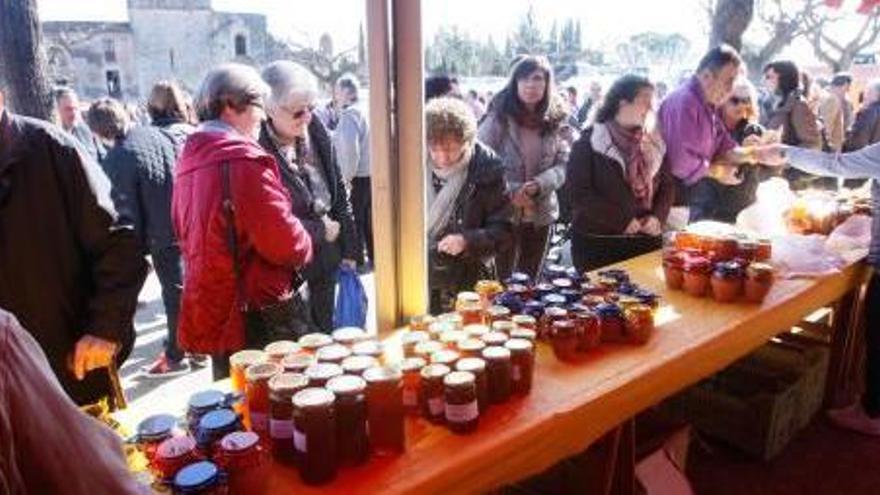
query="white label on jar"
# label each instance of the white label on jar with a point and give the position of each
(410, 397)
(299, 441)
(462, 413)
(515, 373)
(259, 421)
(435, 405)
(281, 428)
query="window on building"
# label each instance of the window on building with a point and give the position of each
(114, 84)
(109, 50)
(240, 45)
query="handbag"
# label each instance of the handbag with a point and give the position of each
(277, 321)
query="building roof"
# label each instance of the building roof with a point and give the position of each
(52, 27)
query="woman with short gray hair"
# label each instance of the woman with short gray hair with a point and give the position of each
(241, 243)
(309, 171)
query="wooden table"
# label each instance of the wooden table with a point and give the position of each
(574, 405)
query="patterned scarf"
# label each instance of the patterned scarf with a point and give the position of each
(638, 169)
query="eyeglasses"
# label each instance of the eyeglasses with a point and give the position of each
(736, 100)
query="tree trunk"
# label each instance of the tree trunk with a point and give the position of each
(22, 65)
(730, 20)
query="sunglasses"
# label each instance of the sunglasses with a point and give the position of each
(736, 100)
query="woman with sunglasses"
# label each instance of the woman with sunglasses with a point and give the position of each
(303, 150)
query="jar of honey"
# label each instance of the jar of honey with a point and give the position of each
(477, 366)
(471, 347)
(551, 315)
(257, 391)
(565, 340)
(409, 340)
(462, 411)
(497, 313)
(246, 462)
(385, 410)
(639, 323)
(697, 272)
(765, 250)
(451, 338)
(202, 478)
(276, 351)
(727, 281)
(425, 349)
(172, 455)
(431, 398)
(470, 307)
(333, 353)
(525, 321)
(282, 388)
(352, 445)
(311, 342)
(356, 365)
(524, 333)
(319, 374)
(412, 383)
(499, 372)
(453, 319)
(759, 280)
(504, 327)
(522, 360)
(476, 331)
(314, 435)
(348, 336)
(297, 362)
(495, 338)
(239, 362)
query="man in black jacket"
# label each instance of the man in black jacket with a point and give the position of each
(70, 270)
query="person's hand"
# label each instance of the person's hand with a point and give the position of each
(772, 155)
(331, 229)
(92, 353)
(453, 244)
(349, 263)
(521, 199)
(651, 226)
(634, 227)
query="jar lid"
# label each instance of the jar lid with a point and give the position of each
(445, 356)
(497, 311)
(439, 327)
(452, 336)
(156, 427)
(297, 361)
(239, 441)
(288, 383)
(562, 283)
(471, 345)
(467, 297)
(262, 371)
(556, 312)
(175, 447)
(519, 345)
(207, 399)
(748, 244)
(534, 305)
(646, 296)
(323, 371)
(578, 308)
(503, 326)
(197, 476)
(555, 269)
(358, 364)
(697, 263)
(517, 288)
(496, 352)
(220, 419)
(476, 329)
(524, 320)
(348, 335)
(729, 269)
(346, 385)
(414, 337)
(433, 371)
(278, 349)
(518, 278)
(474, 365)
(459, 379)
(428, 347)
(332, 352)
(313, 397)
(762, 268)
(627, 288)
(545, 287)
(247, 357)
(420, 320)
(315, 340)
(495, 338)
(451, 317)
(563, 324)
(412, 364)
(378, 374)
(524, 333)
(606, 310)
(368, 348)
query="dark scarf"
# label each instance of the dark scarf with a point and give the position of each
(638, 170)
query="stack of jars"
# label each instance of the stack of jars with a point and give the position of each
(727, 268)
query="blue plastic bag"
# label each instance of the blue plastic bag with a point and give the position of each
(351, 300)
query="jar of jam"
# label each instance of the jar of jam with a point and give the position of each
(202, 478)
(333, 353)
(239, 362)
(565, 340)
(356, 365)
(535, 309)
(476, 331)
(372, 348)
(639, 323)
(201, 403)
(500, 373)
(385, 410)
(352, 446)
(246, 462)
(412, 383)
(419, 323)
(688, 240)
(471, 347)
(488, 289)
(543, 290)
(519, 291)
(673, 270)
(276, 351)
(497, 313)
(765, 250)
(311, 342)
(551, 315)
(697, 271)
(727, 281)
(425, 349)
(588, 329)
(297, 362)
(522, 361)
(748, 251)
(524, 333)
(257, 389)
(726, 248)
(445, 356)
(571, 295)
(154, 430)
(450, 338)
(470, 307)
(439, 327)
(409, 340)
(172, 455)
(462, 412)
(495, 338)
(348, 336)
(503, 326)
(648, 298)
(214, 426)
(431, 398)
(611, 322)
(525, 321)
(282, 388)
(759, 281)
(314, 435)
(553, 300)
(319, 374)
(477, 366)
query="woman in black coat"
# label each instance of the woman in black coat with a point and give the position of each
(469, 215)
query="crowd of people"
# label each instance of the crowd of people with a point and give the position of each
(249, 197)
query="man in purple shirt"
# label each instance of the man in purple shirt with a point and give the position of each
(695, 136)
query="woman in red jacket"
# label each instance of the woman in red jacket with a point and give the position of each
(271, 243)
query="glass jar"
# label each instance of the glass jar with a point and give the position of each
(276, 351)
(431, 398)
(154, 430)
(202, 478)
(462, 412)
(352, 446)
(333, 353)
(524, 333)
(697, 272)
(522, 362)
(565, 340)
(673, 270)
(282, 388)
(727, 281)
(348, 336)
(495, 338)
(504, 326)
(543, 290)
(297, 362)
(372, 348)
(246, 462)
(453, 319)
(488, 289)
(520, 291)
(470, 307)
(319, 374)
(476, 331)
(356, 365)
(765, 250)
(551, 315)
(412, 384)
(239, 362)
(588, 329)
(425, 349)
(639, 323)
(525, 321)
(535, 309)
(409, 340)
(314, 435)
(648, 298)
(385, 410)
(420, 323)
(214, 426)
(477, 366)
(201, 403)
(172, 455)
(257, 391)
(553, 300)
(499, 372)
(438, 328)
(311, 342)
(445, 356)
(687, 240)
(759, 280)
(726, 248)
(747, 251)
(497, 313)
(450, 338)
(471, 347)
(611, 322)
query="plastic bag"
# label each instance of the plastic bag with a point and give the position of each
(805, 256)
(852, 238)
(764, 218)
(351, 300)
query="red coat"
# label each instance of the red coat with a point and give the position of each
(272, 243)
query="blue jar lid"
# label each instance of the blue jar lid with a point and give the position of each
(615, 273)
(571, 295)
(545, 288)
(518, 278)
(207, 399)
(554, 300)
(197, 476)
(155, 428)
(221, 419)
(645, 296)
(607, 310)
